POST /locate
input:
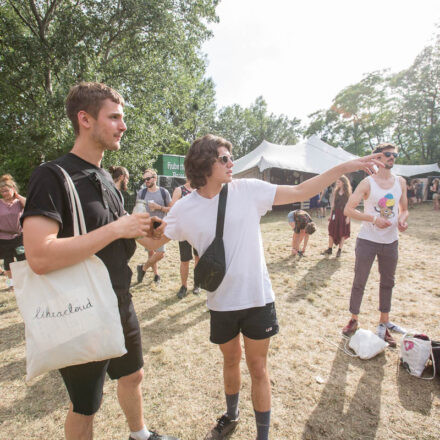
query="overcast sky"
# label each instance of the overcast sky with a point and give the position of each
(299, 54)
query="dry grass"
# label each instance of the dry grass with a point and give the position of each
(183, 372)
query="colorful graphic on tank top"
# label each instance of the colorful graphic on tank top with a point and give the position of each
(385, 206)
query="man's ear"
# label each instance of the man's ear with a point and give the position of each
(84, 119)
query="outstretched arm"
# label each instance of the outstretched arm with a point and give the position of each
(291, 194)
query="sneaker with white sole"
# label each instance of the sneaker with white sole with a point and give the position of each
(156, 436)
(395, 328)
(222, 428)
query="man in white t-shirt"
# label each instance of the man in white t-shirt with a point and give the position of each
(244, 301)
(385, 214)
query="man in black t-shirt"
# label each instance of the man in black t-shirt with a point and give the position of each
(96, 112)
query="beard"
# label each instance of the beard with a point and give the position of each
(388, 166)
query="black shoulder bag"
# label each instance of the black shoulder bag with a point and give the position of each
(211, 268)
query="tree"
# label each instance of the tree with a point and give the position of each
(246, 128)
(359, 117)
(417, 107)
(147, 50)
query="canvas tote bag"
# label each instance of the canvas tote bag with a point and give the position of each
(71, 315)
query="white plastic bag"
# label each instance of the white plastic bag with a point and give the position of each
(414, 353)
(71, 315)
(366, 344)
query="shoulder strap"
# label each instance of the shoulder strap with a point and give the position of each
(144, 191)
(164, 196)
(221, 211)
(105, 182)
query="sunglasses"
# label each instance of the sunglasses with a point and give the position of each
(224, 159)
(147, 179)
(389, 154)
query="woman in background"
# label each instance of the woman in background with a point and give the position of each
(11, 236)
(435, 188)
(339, 224)
(303, 226)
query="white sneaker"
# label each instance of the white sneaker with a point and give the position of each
(395, 328)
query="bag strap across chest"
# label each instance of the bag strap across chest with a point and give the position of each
(221, 211)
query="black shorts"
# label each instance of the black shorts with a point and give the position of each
(186, 251)
(254, 323)
(9, 249)
(85, 382)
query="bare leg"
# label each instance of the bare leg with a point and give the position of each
(184, 270)
(78, 426)
(384, 317)
(231, 351)
(256, 359)
(306, 240)
(130, 399)
(341, 243)
(154, 258)
(330, 241)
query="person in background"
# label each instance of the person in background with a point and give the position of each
(324, 197)
(411, 193)
(339, 224)
(303, 226)
(385, 214)
(435, 189)
(419, 191)
(120, 177)
(185, 249)
(11, 235)
(314, 205)
(158, 204)
(244, 302)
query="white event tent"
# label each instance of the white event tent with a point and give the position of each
(305, 159)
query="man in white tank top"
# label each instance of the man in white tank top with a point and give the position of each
(385, 214)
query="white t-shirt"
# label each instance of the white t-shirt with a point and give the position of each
(194, 218)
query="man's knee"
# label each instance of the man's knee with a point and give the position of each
(232, 359)
(133, 380)
(257, 368)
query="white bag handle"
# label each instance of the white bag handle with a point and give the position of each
(76, 207)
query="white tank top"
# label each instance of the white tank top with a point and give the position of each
(383, 203)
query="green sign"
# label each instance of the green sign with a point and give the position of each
(170, 165)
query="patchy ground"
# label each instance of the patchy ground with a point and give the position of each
(183, 392)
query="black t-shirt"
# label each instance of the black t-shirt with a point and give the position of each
(47, 196)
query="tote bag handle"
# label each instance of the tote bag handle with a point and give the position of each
(76, 207)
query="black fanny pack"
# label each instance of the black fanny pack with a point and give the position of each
(211, 268)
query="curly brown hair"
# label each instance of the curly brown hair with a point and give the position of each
(201, 157)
